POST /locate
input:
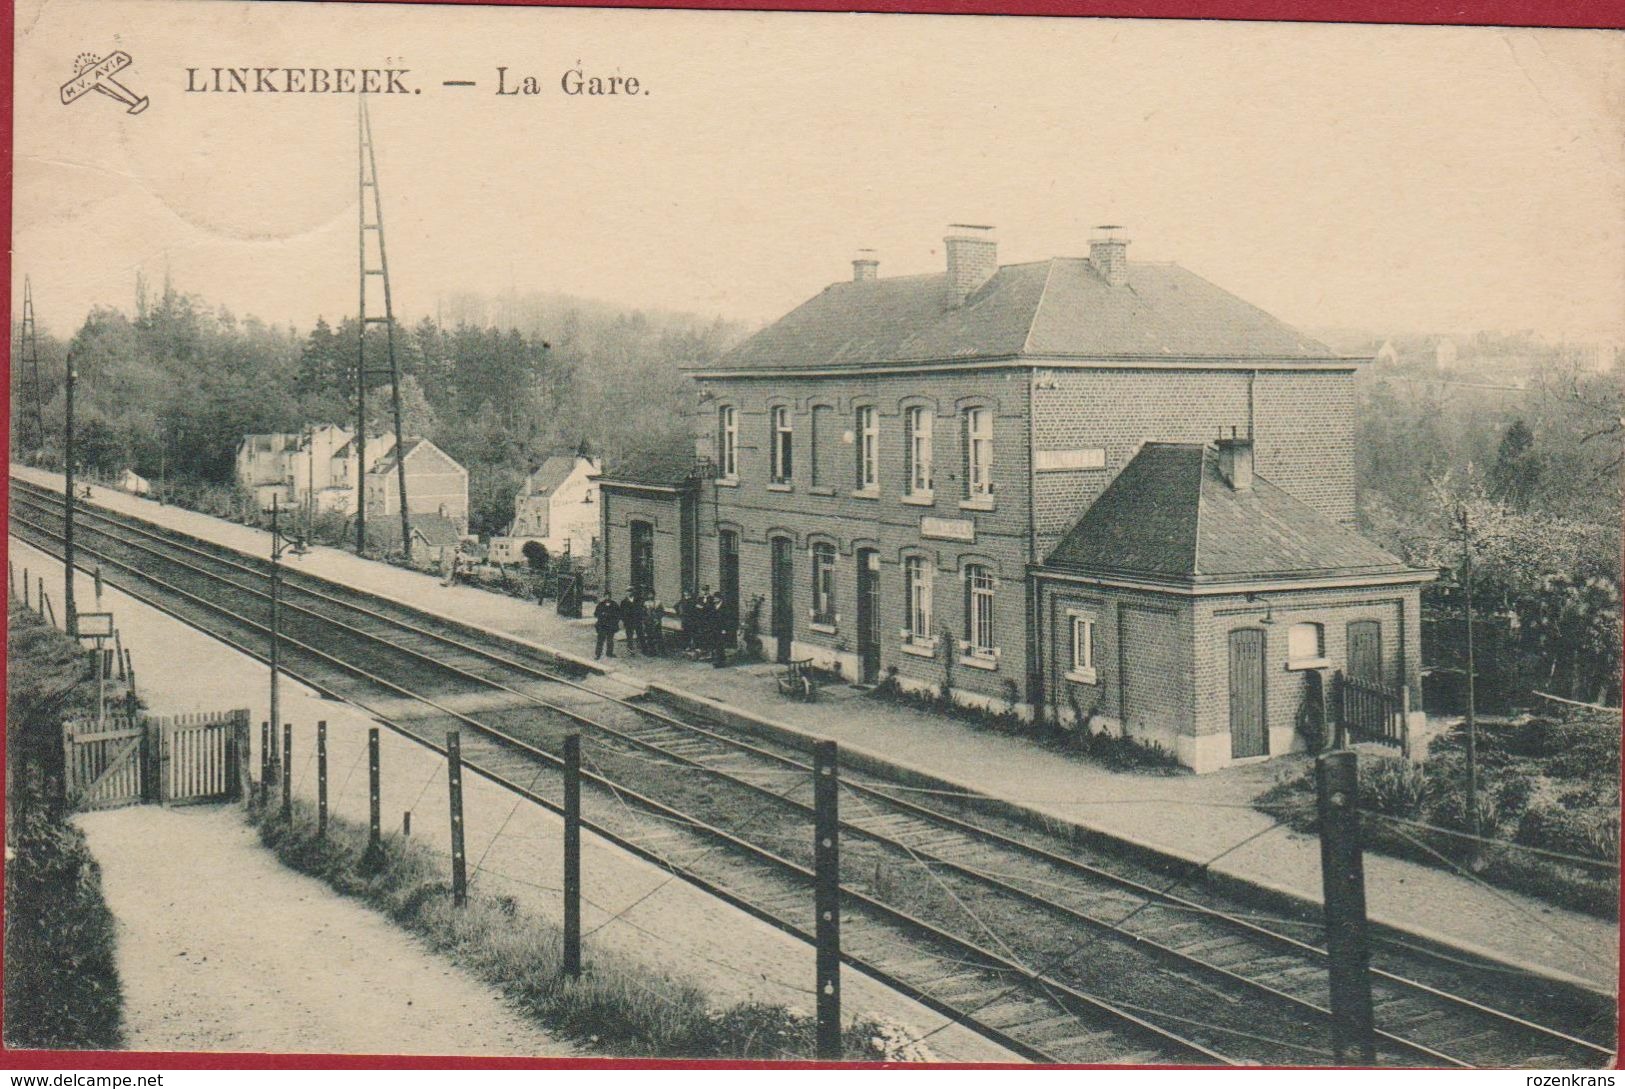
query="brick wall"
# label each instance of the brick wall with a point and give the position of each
(1142, 649)
(1396, 609)
(886, 521)
(1171, 654)
(662, 510)
(1303, 425)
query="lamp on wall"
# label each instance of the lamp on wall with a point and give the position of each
(1269, 607)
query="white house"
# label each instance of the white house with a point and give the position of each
(263, 466)
(323, 467)
(558, 506)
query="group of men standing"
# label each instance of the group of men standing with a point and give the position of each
(705, 624)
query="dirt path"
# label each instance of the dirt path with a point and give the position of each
(221, 948)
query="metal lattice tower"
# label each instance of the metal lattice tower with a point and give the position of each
(367, 173)
(28, 358)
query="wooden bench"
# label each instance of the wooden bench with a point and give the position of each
(797, 680)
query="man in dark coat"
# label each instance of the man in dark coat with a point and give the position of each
(606, 619)
(717, 625)
(632, 620)
(654, 627)
(685, 621)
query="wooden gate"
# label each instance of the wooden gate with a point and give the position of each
(201, 757)
(107, 764)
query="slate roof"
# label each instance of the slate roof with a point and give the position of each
(435, 530)
(1170, 516)
(386, 463)
(662, 468)
(550, 474)
(1046, 309)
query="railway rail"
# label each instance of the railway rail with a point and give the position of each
(1060, 955)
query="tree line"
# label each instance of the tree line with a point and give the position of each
(1515, 489)
(171, 391)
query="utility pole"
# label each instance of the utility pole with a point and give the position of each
(28, 357)
(1472, 701)
(367, 171)
(278, 545)
(69, 614)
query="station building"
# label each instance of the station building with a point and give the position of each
(1092, 489)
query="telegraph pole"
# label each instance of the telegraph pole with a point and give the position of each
(367, 171)
(70, 617)
(276, 615)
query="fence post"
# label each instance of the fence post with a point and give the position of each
(1342, 870)
(406, 824)
(454, 781)
(572, 856)
(321, 778)
(827, 896)
(375, 836)
(28, 596)
(265, 759)
(45, 608)
(287, 771)
(1405, 721)
(244, 754)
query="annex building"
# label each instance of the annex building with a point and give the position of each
(1091, 489)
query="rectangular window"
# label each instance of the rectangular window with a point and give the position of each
(917, 424)
(782, 445)
(1083, 648)
(728, 442)
(917, 587)
(868, 444)
(823, 584)
(978, 430)
(979, 584)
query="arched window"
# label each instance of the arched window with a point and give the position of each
(868, 447)
(977, 425)
(823, 583)
(979, 588)
(782, 444)
(917, 427)
(728, 442)
(917, 592)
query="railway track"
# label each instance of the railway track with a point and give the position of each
(1060, 957)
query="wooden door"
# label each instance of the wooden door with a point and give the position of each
(1365, 650)
(1248, 736)
(643, 557)
(728, 577)
(783, 597)
(868, 615)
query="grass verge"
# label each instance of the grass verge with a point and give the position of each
(617, 1007)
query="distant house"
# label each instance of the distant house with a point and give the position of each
(323, 470)
(1387, 355)
(558, 506)
(434, 538)
(435, 484)
(263, 466)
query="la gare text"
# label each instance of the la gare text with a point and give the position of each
(575, 81)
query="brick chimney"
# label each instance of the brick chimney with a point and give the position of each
(973, 257)
(1236, 461)
(1108, 253)
(865, 267)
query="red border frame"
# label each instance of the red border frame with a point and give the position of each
(1595, 14)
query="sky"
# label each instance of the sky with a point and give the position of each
(1385, 178)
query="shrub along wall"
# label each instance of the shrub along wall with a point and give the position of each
(61, 988)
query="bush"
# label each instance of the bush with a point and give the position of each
(61, 985)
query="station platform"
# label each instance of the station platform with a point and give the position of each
(1207, 819)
